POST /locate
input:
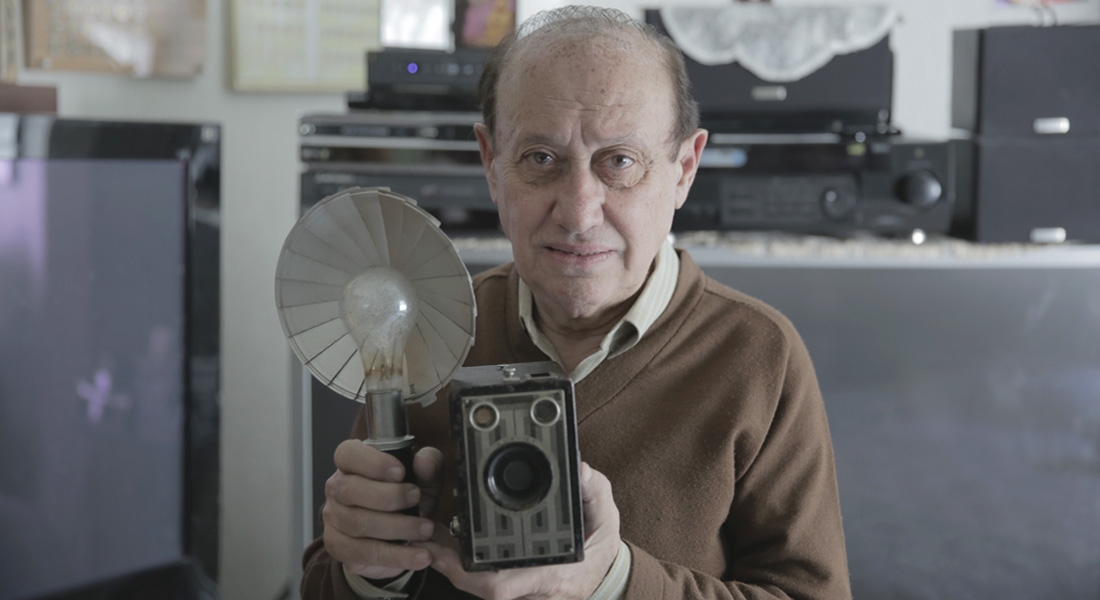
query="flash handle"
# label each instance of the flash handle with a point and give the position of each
(388, 431)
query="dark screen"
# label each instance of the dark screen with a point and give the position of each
(91, 370)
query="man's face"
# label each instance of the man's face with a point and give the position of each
(581, 170)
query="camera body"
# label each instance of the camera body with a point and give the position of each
(515, 432)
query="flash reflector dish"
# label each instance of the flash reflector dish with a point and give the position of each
(345, 235)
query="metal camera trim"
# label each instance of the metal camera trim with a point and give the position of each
(543, 401)
(473, 416)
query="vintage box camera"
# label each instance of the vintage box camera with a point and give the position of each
(515, 431)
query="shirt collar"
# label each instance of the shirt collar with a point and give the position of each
(654, 299)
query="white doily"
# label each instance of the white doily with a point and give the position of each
(776, 43)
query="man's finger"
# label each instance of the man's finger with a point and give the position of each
(361, 523)
(599, 504)
(444, 559)
(353, 490)
(594, 485)
(448, 562)
(358, 458)
(357, 552)
(428, 468)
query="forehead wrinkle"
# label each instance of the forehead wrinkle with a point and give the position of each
(547, 140)
(622, 104)
(588, 90)
(589, 136)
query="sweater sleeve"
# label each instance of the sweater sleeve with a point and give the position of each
(783, 535)
(322, 577)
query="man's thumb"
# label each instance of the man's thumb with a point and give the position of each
(428, 468)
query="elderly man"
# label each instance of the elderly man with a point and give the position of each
(709, 468)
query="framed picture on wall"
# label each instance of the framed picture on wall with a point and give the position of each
(142, 38)
(302, 45)
(483, 23)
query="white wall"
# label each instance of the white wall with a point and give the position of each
(259, 204)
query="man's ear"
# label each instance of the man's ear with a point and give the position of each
(691, 152)
(485, 148)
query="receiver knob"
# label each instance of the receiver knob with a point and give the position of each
(920, 188)
(837, 205)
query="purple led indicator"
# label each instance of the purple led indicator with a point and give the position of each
(413, 68)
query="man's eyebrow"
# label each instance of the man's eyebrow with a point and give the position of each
(535, 138)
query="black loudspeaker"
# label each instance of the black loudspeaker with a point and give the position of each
(1028, 190)
(1030, 99)
(1022, 81)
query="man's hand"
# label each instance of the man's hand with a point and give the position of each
(570, 581)
(361, 509)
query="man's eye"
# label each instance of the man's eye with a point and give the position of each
(540, 158)
(621, 162)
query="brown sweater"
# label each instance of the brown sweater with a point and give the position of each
(713, 433)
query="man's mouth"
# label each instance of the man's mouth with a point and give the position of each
(579, 252)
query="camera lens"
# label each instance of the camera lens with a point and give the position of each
(518, 476)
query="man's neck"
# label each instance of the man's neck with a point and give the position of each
(575, 339)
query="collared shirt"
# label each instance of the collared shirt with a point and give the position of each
(653, 300)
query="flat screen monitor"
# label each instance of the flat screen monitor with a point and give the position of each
(109, 366)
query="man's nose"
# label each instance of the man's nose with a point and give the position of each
(580, 198)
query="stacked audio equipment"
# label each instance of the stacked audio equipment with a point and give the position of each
(808, 148)
(1028, 100)
(430, 156)
(412, 131)
(801, 138)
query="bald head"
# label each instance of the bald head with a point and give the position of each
(569, 34)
